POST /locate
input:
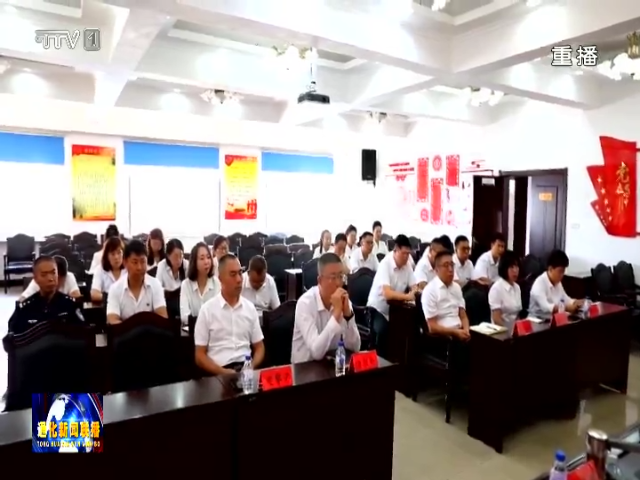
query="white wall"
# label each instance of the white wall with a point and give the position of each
(542, 136)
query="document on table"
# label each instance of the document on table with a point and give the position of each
(536, 320)
(487, 328)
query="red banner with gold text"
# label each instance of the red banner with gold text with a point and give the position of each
(241, 186)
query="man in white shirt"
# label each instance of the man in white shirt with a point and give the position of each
(486, 269)
(340, 249)
(393, 279)
(379, 246)
(425, 268)
(135, 292)
(443, 304)
(547, 294)
(324, 315)
(463, 265)
(259, 287)
(363, 257)
(228, 328)
(352, 236)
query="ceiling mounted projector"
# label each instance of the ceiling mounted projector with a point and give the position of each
(311, 96)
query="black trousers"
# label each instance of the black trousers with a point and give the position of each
(237, 366)
(380, 326)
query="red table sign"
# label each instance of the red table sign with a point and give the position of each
(594, 310)
(584, 472)
(277, 377)
(522, 328)
(362, 361)
(559, 319)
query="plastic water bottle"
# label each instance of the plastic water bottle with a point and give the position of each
(341, 359)
(559, 469)
(586, 305)
(561, 306)
(246, 375)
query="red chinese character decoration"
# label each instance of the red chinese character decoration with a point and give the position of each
(363, 361)
(435, 197)
(277, 377)
(422, 189)
(615, 186)
(453, 171)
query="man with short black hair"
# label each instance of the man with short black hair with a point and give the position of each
(547, 293)
(425, 268)
(464, 266)
(228, 326)
(259, 287)
(136, 291)
(393, 279)
(379, 245)
(486, 269)
(352, 236)
(340, 249)
(324, 314)
(363, 257)
(48, 303)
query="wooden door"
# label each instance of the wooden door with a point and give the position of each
(489, 212)
(548, 213)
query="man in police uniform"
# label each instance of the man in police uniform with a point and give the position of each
(46, 305)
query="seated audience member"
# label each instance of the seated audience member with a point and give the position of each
(47, 303)
(486, 269)
(547, 293)
(136, 291)
(110, 271)
(112, 231)
(505, 298)
(363, 257)
(443, 303)
(173, 269)
(425, 268)
(228, 327)
(324, 315)
(259, 287)
(464, 266)
(325, 244)
(220, 249)
(352, 236)
(340, 249)
(155, 247)
(379, 245)
(67, 283)
(200, 285)
(394, 278)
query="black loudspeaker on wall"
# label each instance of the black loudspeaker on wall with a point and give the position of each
(369, 166)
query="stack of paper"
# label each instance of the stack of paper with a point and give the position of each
(487, 328)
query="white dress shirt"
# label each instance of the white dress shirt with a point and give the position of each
(380, 247)
(486, 267)
(349, 250)
(506, 297)
(318, 252)
(265, 298)
(425, 272)
(191, 300)
(316, 331)
(388, 273)
(121, 301)
(70, 285)
(443, 303)
(463, 272)
(227, 332)
(166, 278)
(95, 262)
(102, 280)
(545, 296)
(357, 261)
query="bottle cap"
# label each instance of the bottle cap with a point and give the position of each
(247, 358)
(341, 343)
(560, 456)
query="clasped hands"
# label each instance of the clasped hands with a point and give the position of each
(340, 303)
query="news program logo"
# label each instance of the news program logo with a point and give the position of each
(66, 423)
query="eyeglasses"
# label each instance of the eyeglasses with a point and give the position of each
(447, 265)
(335, 278)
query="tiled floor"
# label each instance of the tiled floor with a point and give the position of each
(428, 449)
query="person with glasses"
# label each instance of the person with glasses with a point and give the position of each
(463, 264)
(324, 315)
(442, 301)
(363, 256)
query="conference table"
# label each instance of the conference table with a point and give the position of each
(321, 427)
(516, 380)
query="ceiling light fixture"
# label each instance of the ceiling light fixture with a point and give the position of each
(295, 58)
(227, 104)
(482, 96)
(625, 64)
(439, 5)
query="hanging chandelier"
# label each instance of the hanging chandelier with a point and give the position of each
(226, 103)
(625, 64)
(482, 96)
(295, 58)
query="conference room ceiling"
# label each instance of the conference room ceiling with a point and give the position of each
(372, 54)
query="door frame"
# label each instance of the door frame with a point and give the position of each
(563, 173)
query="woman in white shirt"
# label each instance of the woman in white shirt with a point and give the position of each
(505, 298)
(200, 285)
(220, 249)
(155, 248)
(379, 245)
(67, 283)
(112, 231)
(325, 244)
(110, 269)
(172, 270)
(352, 237)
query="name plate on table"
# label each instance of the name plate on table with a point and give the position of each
(594, 310)
(522, 328)
(363, 361)
(276, 377)
(559, 319)
(584, 472)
